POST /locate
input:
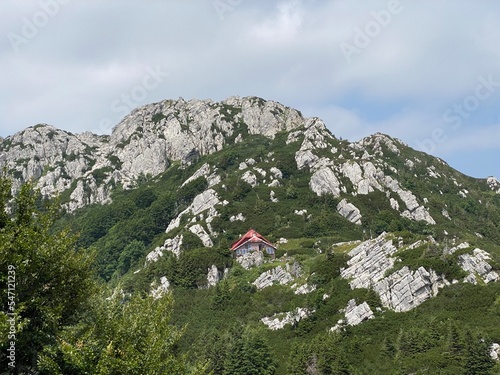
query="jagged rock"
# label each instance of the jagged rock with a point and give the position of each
(300, 212)
(204, 171)
(495, 351)
(161, 289)
(376, 141)
(171, 244)
(272, 197)
(356, 314)
(238, 217)
(305, 289)
(291, 317)
(369, 261)
(200, 232)
(394, 204)
(250, 178)
(213, 276)
(276, 173)
(275, 275)
(250, 161)
(274, 183)
(400, 291)
(406, 289)
(324, 181)
(463, 245)
(305, 158)
(477, 265)
(202, 202)
(349, 211)
(415, 211)
(142, 144)
(353, 172)
(249, 260)
(494, 184)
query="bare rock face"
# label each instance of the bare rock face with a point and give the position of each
(304, 289)
(249, 260)
(204, 171)
(171, 244)
(494, 184)
(495, 351)
(349, 211)
(250, 178)
(356, 314)
(400, 291)
(159, 290)
(276, 275)
(406, 289)
(202, 202)
(279, 321)
(369, 262)
(213, 276)
(324, 181)
(200, 232)
(478, 267)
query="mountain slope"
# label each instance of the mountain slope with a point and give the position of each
(368, 232)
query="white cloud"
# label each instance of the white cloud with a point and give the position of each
(281, 27)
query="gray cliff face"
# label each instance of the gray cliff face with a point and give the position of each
(88, 166)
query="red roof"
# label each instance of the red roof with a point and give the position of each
(251, 236)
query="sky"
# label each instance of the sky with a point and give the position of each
(426, 71)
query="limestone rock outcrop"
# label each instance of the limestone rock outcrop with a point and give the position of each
(305, 289)
(494, 184)
(200, 232)
(171, 244)
(160, 290)
(476, 264)
(356, 314)
(213, 276)
(276, 275)
(401, 290)
(405, 289)
(349, 211)
(249, 260)
(369, 261)
(279, 321)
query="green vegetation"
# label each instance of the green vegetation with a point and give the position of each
(59, 318)
(157, 117)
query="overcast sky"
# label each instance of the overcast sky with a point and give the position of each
(427, 72)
